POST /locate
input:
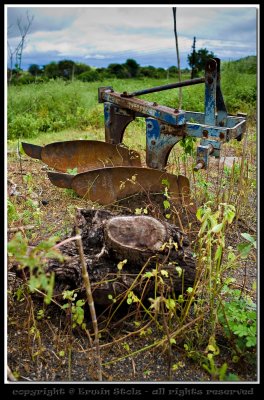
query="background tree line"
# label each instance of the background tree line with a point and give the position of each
(69, 70)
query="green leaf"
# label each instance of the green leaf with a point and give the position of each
(165, 182)
(121, 264)
(241, 331)
(217, 228)
(213, 221)
(166, 204)
(73, 171)
(244, 249)
(50, 288)
(69, 295)
(179, 270)
(203, 227)
(148, 274)
(251, 341)
(155, 303)
(180, 299)
(34, 283)
(170, 304)
(218, 253)
(199, 214)
(80, 303)
(232, 377)
(211, 348)
(18, 245)
(126, 347)
(229, 280)
(248, 237)
(230, 216)
(222, 372)
(231, 256)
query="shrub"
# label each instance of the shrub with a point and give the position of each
(89, 76)
(25, 125)
(238, 318)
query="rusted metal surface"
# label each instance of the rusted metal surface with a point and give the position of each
(116, 121)
(145, 108)
(83, 155)
(32, 150)
(61, 180)
(107, 185)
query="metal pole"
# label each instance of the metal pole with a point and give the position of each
(165, 87)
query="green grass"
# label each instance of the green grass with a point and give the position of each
(59, 106)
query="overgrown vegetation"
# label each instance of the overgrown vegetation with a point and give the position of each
(213, 323)
(57, 105)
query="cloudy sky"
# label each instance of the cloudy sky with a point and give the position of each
(100, 35)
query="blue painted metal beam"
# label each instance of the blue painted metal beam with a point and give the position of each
(210, 92)
(145, 108)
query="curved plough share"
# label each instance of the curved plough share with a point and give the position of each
(82, 155)
(107, 185)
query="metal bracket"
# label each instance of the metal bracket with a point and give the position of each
(160, 140)
(202, 156)
(116, 121)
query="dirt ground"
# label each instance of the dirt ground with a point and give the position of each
(57, 353)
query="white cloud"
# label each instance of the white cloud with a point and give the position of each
(98, 32)
(96, 56)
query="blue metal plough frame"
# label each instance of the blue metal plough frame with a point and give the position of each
(166, 126)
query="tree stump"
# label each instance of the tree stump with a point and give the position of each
(135, 238)
(119, 250)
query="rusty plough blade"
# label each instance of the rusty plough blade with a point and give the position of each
(83, 155)
(110, 184)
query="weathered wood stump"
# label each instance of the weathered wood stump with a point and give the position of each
(142, 242)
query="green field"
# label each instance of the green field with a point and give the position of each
(58, 106)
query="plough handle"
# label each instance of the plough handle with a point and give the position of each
(188, 82)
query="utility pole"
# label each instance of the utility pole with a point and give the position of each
(193, 59)
(178, 55)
